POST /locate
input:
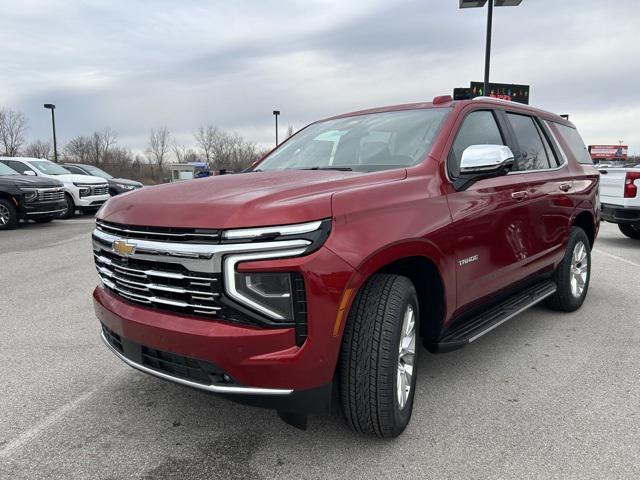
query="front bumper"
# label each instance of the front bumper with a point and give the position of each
(264, 365)
(621, 215)
(93, 202)
(42, 209)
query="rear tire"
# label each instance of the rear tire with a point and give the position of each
(378, 361)
(8, 215)
(631, 231)
(573, 274)
(71, 207)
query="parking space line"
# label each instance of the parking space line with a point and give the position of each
(611, 255)
(40, 427)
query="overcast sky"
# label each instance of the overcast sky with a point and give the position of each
(136, 65)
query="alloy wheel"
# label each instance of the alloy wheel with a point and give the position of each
(406, 356)
(5, 215)
(579, 269)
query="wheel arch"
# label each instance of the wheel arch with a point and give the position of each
(586, 221)
(424, 264)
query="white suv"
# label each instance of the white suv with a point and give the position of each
(82, 192)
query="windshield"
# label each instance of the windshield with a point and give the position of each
(49, 168)
(97, 172)
(4, 170)
(365, 143)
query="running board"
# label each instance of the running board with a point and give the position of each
(486, 321)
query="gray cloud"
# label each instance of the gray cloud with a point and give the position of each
(137, 65)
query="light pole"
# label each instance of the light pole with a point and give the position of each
(487, 52)
(52, 107)
(275, 114)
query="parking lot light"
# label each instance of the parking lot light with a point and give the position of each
(275, 114)
(52, 107)
(487, 54)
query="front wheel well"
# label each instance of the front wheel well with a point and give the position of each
(584, 220)
(429, 287)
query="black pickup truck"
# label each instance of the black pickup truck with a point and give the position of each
(24, 197)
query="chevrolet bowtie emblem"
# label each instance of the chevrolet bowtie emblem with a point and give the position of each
(123, 248)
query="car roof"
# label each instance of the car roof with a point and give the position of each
(23, 159)
(444, 102)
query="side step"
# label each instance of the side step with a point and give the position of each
(486, 321)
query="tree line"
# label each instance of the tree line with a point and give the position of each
(221, 149)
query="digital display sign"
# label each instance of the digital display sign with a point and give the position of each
(503, 91)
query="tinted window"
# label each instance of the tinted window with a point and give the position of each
(73, 169)
(376, 141)
(553, 160)
(17, 166)
(575, 143)
(49, 168)
(5, 170)
(532, 154)
(478, 128)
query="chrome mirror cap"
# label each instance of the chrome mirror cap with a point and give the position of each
(485, 158)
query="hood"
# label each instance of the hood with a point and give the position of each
(72, 178)
(242, 200)
(125, 181)
(28, 181)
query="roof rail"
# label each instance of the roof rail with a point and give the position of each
(494, 99)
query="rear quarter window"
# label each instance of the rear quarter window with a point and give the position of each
(575, 143)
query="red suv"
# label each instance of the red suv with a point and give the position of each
(319, 269)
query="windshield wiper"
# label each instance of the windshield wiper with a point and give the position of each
(340, 169)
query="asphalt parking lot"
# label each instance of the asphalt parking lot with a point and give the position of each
(546, 395)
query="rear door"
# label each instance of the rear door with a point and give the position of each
(491, 219)
(550, 189)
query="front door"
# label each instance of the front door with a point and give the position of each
(491, 218)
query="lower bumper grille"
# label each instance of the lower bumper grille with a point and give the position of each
(191, 369)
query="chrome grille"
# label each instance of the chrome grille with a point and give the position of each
(100, 189)
(181, 276)
(143, 282)
(49, 194)
(165, 234)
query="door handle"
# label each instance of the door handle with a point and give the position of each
(521, 195)
(565, 187)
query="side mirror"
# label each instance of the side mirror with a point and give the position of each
(30, 173)
(483, 161)
(486, 159)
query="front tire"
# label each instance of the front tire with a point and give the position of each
(8, 215)
(71, 207)
(378, 361)
(573, 274)
(631, 231)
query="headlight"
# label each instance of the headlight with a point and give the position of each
(277, 295)
(126, 187)
(29, 194)
(85, 189)
(267, 291)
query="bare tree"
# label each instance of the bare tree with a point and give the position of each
(13, 126)
(206, 139)
(38, 149)
(159, 145)
(79, 149)
(183, 154)
(290, 131)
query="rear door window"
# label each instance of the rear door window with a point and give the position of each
(532, 154)
(573, 139)
(478, 128)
